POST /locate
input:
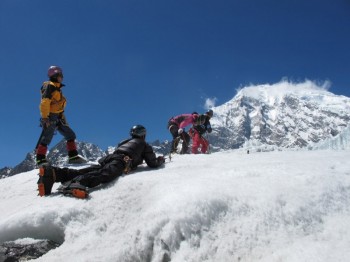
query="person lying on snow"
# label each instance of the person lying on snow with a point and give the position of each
(128, 155)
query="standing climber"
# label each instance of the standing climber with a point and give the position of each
(197, 133)
(52, 118)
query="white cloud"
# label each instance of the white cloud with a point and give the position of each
(210, 102)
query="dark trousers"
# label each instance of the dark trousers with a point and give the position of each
(173, 128)
(94, 175)
(56, 122)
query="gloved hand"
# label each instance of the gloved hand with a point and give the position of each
(45, 122)
(180, 131)
(161, 160)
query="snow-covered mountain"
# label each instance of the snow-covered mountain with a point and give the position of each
(263, 117)
(57, 156)
(290, 206)
(283, 115)
(5, 172)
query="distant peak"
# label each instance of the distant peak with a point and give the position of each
(283, 88)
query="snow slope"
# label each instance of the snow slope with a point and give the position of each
(227, 206)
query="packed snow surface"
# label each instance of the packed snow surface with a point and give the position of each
(227, 206)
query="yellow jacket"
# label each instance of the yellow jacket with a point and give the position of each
(52, 99)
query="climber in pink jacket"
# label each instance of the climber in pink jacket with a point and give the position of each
(176, 126)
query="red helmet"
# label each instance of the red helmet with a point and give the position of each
(54, 70)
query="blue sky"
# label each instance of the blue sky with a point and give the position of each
(132, 62)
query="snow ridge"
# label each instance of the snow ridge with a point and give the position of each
(228, 206)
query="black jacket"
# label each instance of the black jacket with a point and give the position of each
(206, 127)
(137, 149)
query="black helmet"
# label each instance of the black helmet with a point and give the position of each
(138, 131)
(200, 120)
(209, 113)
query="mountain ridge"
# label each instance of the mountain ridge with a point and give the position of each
(294, 116)
(266, 117)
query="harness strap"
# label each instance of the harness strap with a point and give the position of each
(128, 161)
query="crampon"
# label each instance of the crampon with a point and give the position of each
(73, 189)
